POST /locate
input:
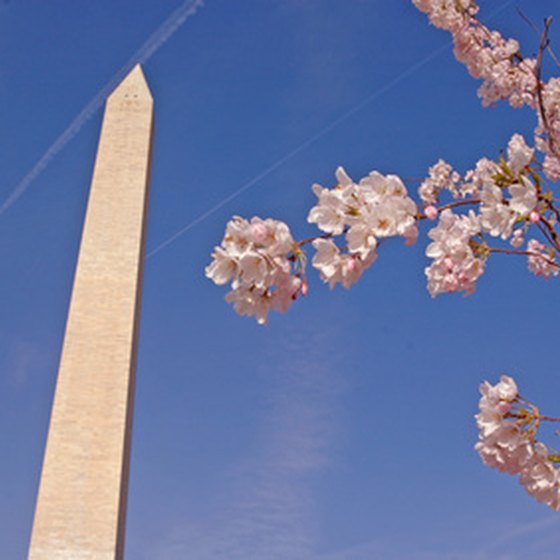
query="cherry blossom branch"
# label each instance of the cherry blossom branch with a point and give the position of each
(544, 42)
(308, 240)
(538, 32)
(545, 233)
(522, 252)
(551, 230)
(552, 208)
(459, 203)
(266, 267)
(535, 414)
(545, 418)
(455, 204)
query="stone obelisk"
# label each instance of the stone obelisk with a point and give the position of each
(81, 504)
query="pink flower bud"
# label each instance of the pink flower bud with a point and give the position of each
(431, 212)
(304, 288)
(534, 217)
(351, 265)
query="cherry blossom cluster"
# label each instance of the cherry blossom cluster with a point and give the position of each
(487, 55)
(456, 266)
(266, 267)
(505, 73)
(501, 200)
(375, 208)
(262, 262)
(509, 197)
(508, 427)
(500, 206)
(547, 133)
(506, 205)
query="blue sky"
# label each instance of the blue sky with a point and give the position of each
(344, 430)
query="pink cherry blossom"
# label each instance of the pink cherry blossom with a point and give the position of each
(498, 214)
(517, 239)
(502, 444)
(507, 441)
(476, 178)
(441, 176)
(541, 262)
(551, 167)
(547, 133)
(339, 268)
(519, 154)
(541, 478)
(455, 267)
(255, 257)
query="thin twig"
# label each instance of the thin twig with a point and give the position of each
(555, 240)
(521, 252)
(553, 209)
(536, 30)
(538, 75)
(543, 230)
(549, 418)
(459, 203)
(451, 205)
(311, 239)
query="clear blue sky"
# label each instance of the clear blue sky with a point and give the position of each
(344, 430)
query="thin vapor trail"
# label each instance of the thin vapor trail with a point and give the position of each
(315, 138)
(150, 46)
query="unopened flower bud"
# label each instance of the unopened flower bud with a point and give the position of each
(431, 212)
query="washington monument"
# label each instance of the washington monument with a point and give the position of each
(81, 504)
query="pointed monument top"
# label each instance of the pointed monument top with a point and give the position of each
(133, 87)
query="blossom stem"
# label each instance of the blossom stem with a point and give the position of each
(459, 203)
(545, 233)
(521, 252)
(555, 241)
(553, 209)
(453, 205)
(536, 30)
(538, 71)
(549, 418)
(311, 239)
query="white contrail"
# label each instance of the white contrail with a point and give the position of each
(152, 44)
(316, 137)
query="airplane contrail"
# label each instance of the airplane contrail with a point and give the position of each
(150, 46)
(301, 147)
(312, 140)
